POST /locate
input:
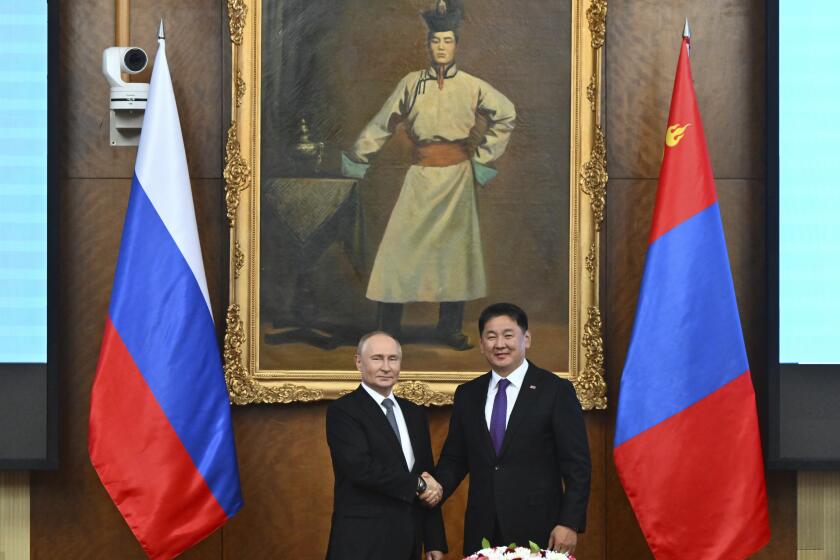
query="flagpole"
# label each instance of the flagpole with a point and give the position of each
(687, 35)
(122, 26)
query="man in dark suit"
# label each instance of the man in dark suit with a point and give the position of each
(382, 455)
(518, 431)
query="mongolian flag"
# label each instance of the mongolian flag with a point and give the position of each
(687, 445)
(160, 430)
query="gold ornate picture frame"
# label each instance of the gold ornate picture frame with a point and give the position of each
(259, 49)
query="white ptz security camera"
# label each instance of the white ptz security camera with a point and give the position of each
(128, 99)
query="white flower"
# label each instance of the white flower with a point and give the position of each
(502, 553)
(518, 552)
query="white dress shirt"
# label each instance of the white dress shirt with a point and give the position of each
(405, 440)
(516, 377)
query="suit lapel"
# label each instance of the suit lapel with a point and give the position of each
(477, 401)
(524, 404)
(377, 416)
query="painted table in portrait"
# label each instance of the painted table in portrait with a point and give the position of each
(399, 165)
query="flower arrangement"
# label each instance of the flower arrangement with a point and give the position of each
(513, 552)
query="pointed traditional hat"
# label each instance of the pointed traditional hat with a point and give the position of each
(445, 16)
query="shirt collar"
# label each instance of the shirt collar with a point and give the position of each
(516, 377)
(376, 396)
(450, 71)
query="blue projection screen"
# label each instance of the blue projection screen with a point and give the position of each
(809, 183)
(23, 182)
(803, 234)
(28, 374)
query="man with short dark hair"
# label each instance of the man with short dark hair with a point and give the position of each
(431, 249)
(382, 455)
(518, 431)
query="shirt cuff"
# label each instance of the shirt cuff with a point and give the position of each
(483, 173)
(350, 168)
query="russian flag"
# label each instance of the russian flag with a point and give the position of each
(160, 431)
(687, 444)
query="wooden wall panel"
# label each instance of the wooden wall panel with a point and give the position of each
(194, 56)
(727, 61)
(286, 482)
(14, 515)
(284, 460)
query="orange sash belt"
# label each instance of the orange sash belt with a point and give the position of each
(440, 154)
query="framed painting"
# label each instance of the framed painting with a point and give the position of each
(400, 164)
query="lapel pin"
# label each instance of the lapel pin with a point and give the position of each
(532, 387)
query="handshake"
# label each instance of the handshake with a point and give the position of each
(433, 492)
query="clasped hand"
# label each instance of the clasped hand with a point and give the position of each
(433, 493)
(562, 539)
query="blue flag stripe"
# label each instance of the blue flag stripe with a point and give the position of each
(160, 313)
(686, 341)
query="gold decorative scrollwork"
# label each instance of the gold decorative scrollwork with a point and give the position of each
(237, 10)
(591, 261)
(596, 15)
(591, 91)
(420, 393)
(589, 384)
(285, 393)
(242, 387)
(239, 88)
(593, 178)
(238, 259)
(237, 174)
(235, 374)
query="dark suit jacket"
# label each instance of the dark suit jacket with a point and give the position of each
(540, 479)
(376, 513)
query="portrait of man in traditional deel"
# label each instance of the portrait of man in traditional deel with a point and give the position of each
(414, 165)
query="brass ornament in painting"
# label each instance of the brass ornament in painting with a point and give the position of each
(250, 196)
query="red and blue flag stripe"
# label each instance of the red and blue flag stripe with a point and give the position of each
(687, 446)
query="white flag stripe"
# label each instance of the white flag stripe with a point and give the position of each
(161, 169)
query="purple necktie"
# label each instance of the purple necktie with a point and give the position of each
(498, 418)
